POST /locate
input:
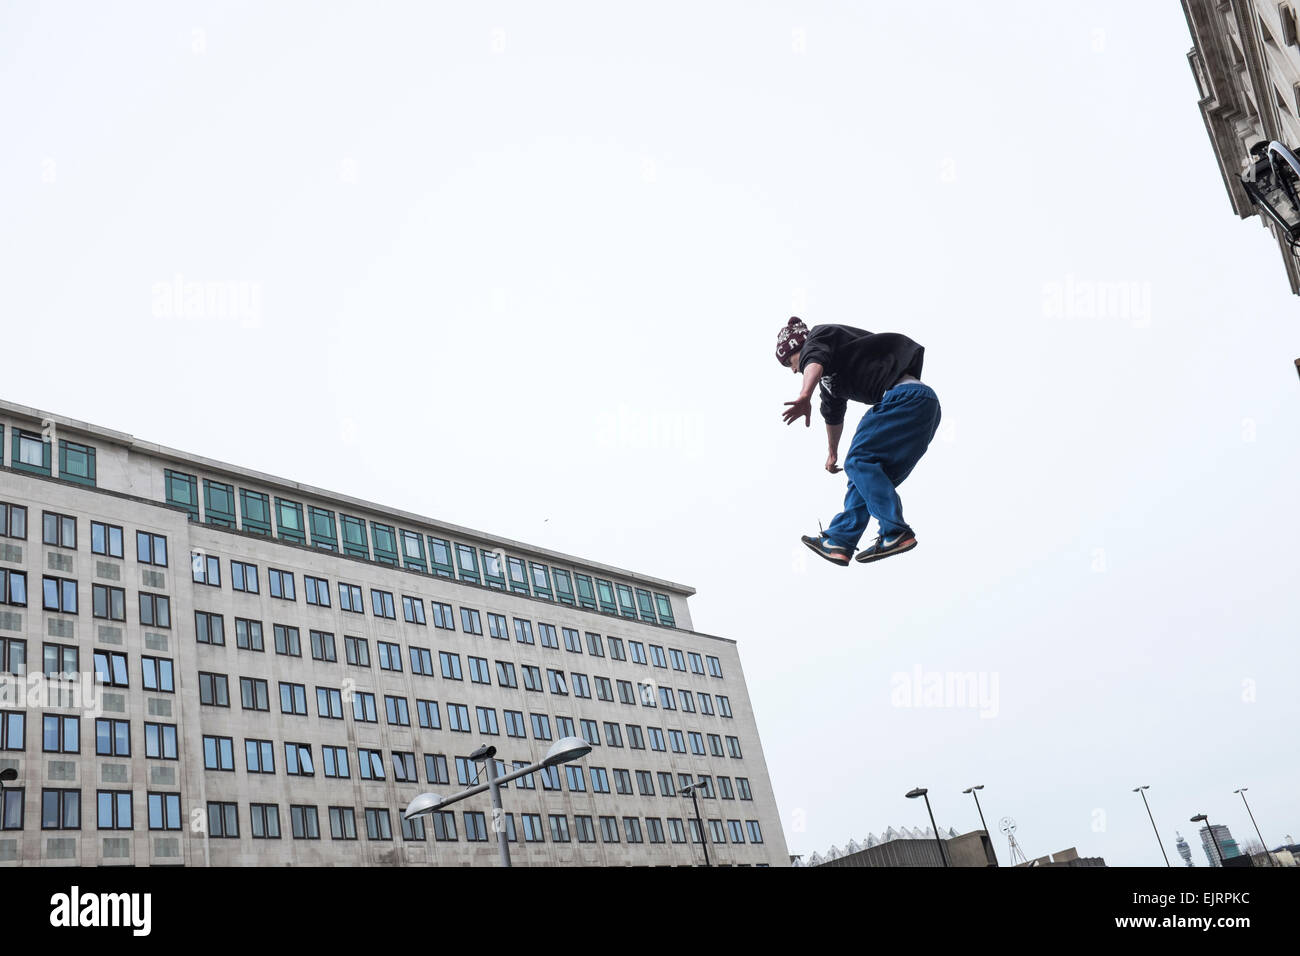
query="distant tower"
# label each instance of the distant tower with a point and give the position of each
(1184, 850)
(1008, 826)
(1221, 844)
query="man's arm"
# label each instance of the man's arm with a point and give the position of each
(801, 407)
(833, 433)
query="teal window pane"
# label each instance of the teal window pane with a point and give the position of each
(288, 518)
(354, 537)
(645, 604)
(605, 590)
(384, 539)
(440, 557)
(30, 453)
(467, 561)
(323, 534)
(77, 463)
(626, 606)
(218, 503)
(541, 580)
(413, 550)
(256, 508)
(665, 610)
(183, 490)
(586, 592)
(518, 575)
(494, 572)
(563, 586)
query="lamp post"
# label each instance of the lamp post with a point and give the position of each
(1139, 792)
(922, 792)
(565, 750)
(971, 791)
(690, 788)
(1202, 818)
(1242, 791)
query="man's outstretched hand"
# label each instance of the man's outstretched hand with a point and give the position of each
(800, 407)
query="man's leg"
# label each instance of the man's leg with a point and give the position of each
(847, 527)
(891, 440)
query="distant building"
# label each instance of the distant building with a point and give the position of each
(1227, 846)
(904, 847)
(1184, 850)
(1068, 857)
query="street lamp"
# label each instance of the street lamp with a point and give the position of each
(564, 750)
(1242, 791)
(1271, 182)
(1202, 818)
(1138, 791)
(971, 791)
(690, 788)
(921, 792)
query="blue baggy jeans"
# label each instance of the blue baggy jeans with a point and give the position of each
(890, 440)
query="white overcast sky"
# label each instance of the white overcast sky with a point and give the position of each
(521, 267)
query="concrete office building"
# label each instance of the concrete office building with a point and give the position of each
(1246, 61)
(281, 669)
(1220, 845)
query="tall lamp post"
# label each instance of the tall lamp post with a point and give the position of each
(922, 792)
(1202, 818)
(971, 791)
(565, 750)
(1139, 792)
(1242, 791)
(690, 788)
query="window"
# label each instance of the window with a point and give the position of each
(343, 823)
(666, 699)
(518, 576)
(354, 537)
(218, 503)
(541, 727)
(350, 598)
(572, 642)
(676, 742)
(293, 699)
(604, 689)
(108, 603)
(586, 593)
(288, 519)
(156, 611)
(322, 646)
(287, 640)
(487, 720)
(297, 760)
(724, 706)
(223, 820)
(687, 701)
(371, 763)
(645, 783)
(114, 808)
(475, 826)
(218, 753)
(151, 549)
(697, 743)
(657, 656)
(442, 616)
(559, 828)
(60, 810)
(715, 667)
(390, 656)
(254, 693)
(335, 761)
(497, 627)
(243, 577)
(656, 736)
(515, 726)
(413, 550)
(625, 692)
(30, 453)
(357, 650)
(632, 827)
(105, 539)
(556, 679)
(613, 734)
(322, 529)
(440, 557)
(666, 788)
(548, 636)
(626, 607)
(532, 678)
(205, 569)
(616, 649)
(329, 703)
(494, 574)
(381, 604)
(427, 713)
(248, 634)
(533, 828)
(609, 829)
(13, 730)
(110, 668)
(13, 587)
(60, 595)
(479, 672)
(157, 674)
(384, 539)
(599, 780)
(265, 818)
(13, 521)
(209, 628)
(458, 718)
(523, 631)
(60, 659)
(755, 831)
(378, 825)
(260, 756)
(397, 711)
(563, 586)
(506, 674)
(413, 609)
(60, 531)
(256, 508)
(404, 767)
(281, 584)
(304, 822)
(61, 734)
(541, 580)
(318, 590)
(654, 828)
(363, 708)
(706, 703)
(676, 832)
(715, 745)
(574, 777)
(733, 747)
(725, 789)
(467, 562)
(421, 661)
(590, 732)
(435, 768)
(214, 690)
(470, 622)
(605, 591)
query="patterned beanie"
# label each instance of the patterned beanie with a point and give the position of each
(790, 339)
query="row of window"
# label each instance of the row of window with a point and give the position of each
(115, 810)
(33, 453)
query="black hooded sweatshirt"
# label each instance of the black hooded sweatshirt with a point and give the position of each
(857, 366)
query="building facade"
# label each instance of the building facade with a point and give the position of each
(1221, 844)
(917, 847)
(264, 672)
(1246, 61)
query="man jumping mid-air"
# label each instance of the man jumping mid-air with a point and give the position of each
(884, 371)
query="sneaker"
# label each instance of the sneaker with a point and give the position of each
(833, 553)
(884, 547)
